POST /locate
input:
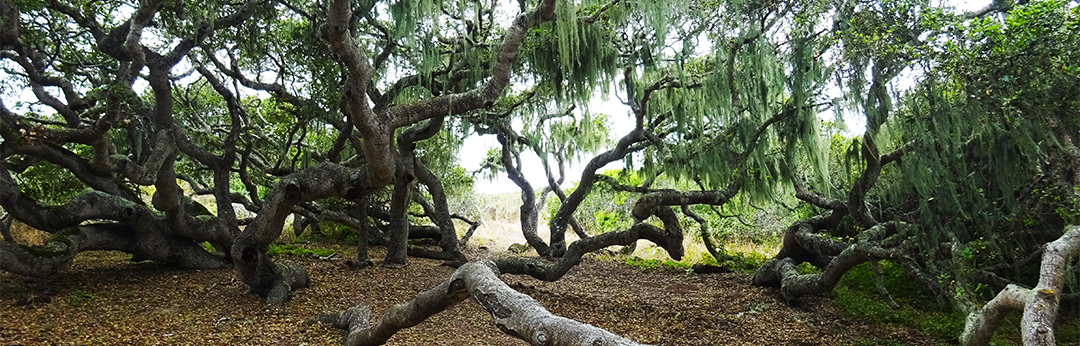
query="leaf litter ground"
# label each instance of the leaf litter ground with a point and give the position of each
(103, 299)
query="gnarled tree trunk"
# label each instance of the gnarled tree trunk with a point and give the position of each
(253, 264)
(515, 313)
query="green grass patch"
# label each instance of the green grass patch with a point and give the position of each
(856, 295)
(80, 297)
(650, 264)
(944, 324)
(296, 250)
(740, 262)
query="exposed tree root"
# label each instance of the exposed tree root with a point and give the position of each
(515, 313)
(1039, 304)
(291, 276)
(450, 258)
(273, 280)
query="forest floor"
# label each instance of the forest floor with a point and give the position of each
(104, 299)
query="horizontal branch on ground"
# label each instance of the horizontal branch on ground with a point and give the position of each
(543, 270)
(515, 313)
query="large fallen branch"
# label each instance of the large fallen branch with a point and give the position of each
(1039, 304)
(515, 313)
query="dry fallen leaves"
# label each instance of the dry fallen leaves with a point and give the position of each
(104, 299)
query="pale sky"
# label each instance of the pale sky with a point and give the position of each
(476, 147)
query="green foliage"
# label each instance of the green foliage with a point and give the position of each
(571, 57)
(49, 183)
(337, 231)
(440, 154)
(985, 126)
(608, 221)
(492, 165)
(1065, 334)
(571, 135)
(441, 151)
(604, 209)
(736, 91)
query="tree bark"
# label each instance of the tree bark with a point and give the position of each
(404, 181)
(588, 175)
(781, 271)
(48, 259)
(299, 224)
(585, 184)
(136, 230)
(1039, 304)
(514, 313)
(553, 186)
(377, 129)
(473, 225)
(669, 239)
(5, 226)
(703, 227)
(527, 213)
(449, 241)
(397, 249)
(253, 264)
(363, 237)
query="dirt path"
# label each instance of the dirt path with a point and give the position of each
(104, 299)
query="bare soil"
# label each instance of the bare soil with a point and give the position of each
(104, 299)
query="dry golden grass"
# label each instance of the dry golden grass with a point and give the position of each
(27, 235)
